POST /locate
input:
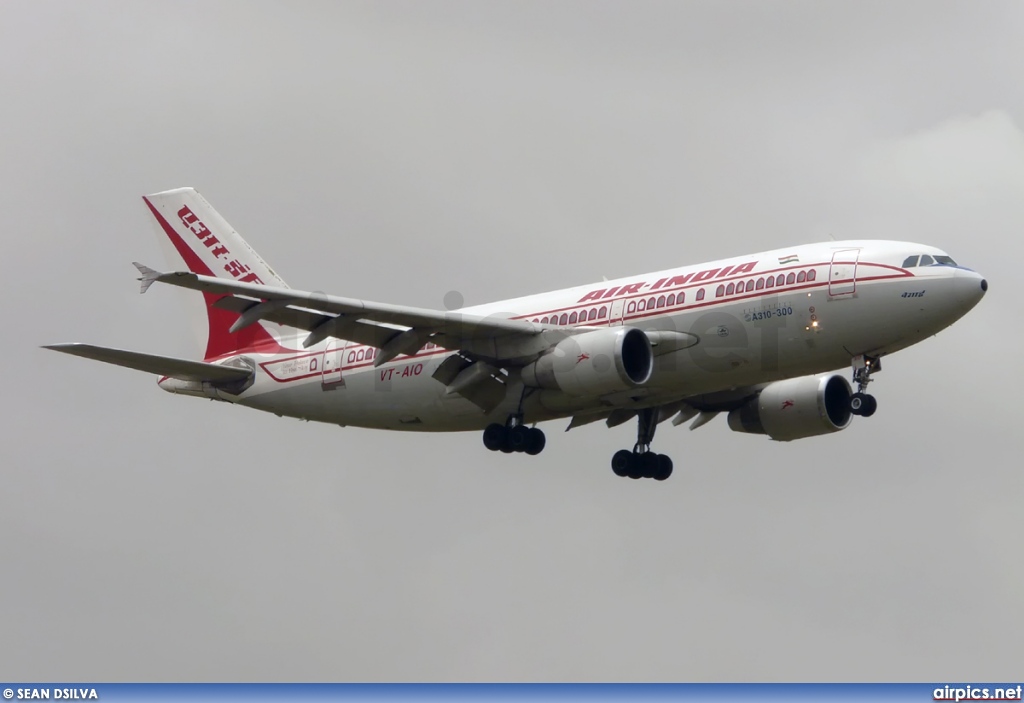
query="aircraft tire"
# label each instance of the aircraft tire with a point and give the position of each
(857, 403)
(636, 466)
(537, 441)
(494, 436)
(664, 469)
(649, 462)
(621, 461)
(519, 438)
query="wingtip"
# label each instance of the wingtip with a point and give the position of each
(65, 347)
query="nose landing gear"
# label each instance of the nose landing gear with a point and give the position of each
(862, 403)
(642, 462)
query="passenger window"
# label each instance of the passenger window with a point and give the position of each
(671, 300)
(631, 308)
(661, 301)
(910, 262)
(790, 279)
(926, 260)
(769, 282)
(700, 294)
(780, 280)
(801, 277)
(730, 290)
(760, 284)
(564, 319)
(750, 286)
(640, 305)
(593, 314)
(811, 275)
(650, 303)
(602, 312)
(572, 319)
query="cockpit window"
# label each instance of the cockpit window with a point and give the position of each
(927, 260)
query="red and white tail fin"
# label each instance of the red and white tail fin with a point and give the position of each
(197, 238)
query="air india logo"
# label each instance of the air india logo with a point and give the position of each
(581, 358)
(787, 404)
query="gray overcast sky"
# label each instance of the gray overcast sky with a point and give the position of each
(396, 151)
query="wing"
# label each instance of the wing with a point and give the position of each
(393, 329)
(704, 408)
(161, 365)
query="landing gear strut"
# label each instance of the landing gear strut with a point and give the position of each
(860, 402)
(514, 436)
(642, 462)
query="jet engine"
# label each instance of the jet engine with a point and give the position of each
(796, 408)
(594, 363)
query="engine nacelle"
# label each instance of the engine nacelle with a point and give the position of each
(796, 408)
(594, 363)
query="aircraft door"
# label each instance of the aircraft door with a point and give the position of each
(330, 377)
(842, 272)
(615, 315)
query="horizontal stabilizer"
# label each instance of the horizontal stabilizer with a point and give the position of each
(149, 276)
(161, 365)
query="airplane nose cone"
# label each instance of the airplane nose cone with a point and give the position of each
(970, 287)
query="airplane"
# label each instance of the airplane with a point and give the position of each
(758, 337)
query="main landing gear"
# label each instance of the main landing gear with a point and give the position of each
(642, 462)
(514, 436)
(860, 402)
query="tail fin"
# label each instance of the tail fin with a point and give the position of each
(196, 236)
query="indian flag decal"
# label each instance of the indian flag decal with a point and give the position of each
(791, 259)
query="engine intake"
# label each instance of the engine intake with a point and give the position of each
(796, 408)
(594, 363)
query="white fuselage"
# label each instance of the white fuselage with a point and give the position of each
(759, 318)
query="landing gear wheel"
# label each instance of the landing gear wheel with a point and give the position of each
(621, 462)
(869, 407)
(494, 437)
(536, 442)
(636, 466)
(649, 461)
(858, 401)
(519, 438)
(664, 469)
